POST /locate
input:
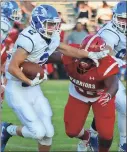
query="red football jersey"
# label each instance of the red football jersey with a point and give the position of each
(3, 54)
(92, 80)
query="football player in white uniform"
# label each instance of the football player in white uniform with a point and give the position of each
(114, 33)
(10, 12)
(35, 43)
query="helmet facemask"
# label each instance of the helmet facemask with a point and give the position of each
(16, 15)
(50, 26)
(85, 64)
(120, 22)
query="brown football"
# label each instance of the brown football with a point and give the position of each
(31, 69)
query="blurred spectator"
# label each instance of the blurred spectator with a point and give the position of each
(60, 15)
(78, 34)
(84, 12)
(62, 32)
(104, 13)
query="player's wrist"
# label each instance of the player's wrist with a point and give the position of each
(109, 95)
(29, 82)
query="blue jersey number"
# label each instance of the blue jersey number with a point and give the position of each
(121, 53)
(44, 58)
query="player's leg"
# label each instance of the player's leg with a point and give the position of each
(121, 108)
(44, 113)
(19, 99)
(93, 136)
(103, 116)
(75, 115)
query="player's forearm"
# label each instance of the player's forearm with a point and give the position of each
(71, 51)
(112, 85)
(16, 72)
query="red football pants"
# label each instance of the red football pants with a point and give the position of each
(76, 112)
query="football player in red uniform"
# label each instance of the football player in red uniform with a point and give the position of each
(91, 86)
(6, 46)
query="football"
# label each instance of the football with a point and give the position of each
(31, 69)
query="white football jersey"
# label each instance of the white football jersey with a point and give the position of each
(5, 28)
(114, 38)
(32, 42)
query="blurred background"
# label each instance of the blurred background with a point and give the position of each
(78, 20)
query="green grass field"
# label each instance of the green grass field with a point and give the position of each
(57, 93)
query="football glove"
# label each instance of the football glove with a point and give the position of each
(37, 79)
(95, 56)
(104, 98)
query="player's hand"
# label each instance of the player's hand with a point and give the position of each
(95, 56)
(104, 98)
(37, 79)
(55, 41)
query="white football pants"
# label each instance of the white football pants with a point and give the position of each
(121, 108)
(32, 109)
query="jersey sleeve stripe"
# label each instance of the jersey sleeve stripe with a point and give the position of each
(110, 68)
(29, 39)
(3, 50)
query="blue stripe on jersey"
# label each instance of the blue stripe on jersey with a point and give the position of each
(29, 39)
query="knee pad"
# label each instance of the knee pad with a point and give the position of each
(38, 134)
(38, 131)
(46, 141)
(50, 132)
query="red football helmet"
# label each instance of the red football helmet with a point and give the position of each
(91, 43)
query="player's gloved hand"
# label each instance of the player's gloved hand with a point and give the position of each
(55, 41)
(37, 79)
(104, 98)
(95, 56)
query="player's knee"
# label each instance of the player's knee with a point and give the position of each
(106, 134)
(46, 141)
(72, 133)
(39, 132)
(50, 131)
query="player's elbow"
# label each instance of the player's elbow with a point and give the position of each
(12, 68)
(117, 87)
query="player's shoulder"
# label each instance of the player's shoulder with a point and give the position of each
(5, 23)
(107, 67)
(30, 33)
(109, 30)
